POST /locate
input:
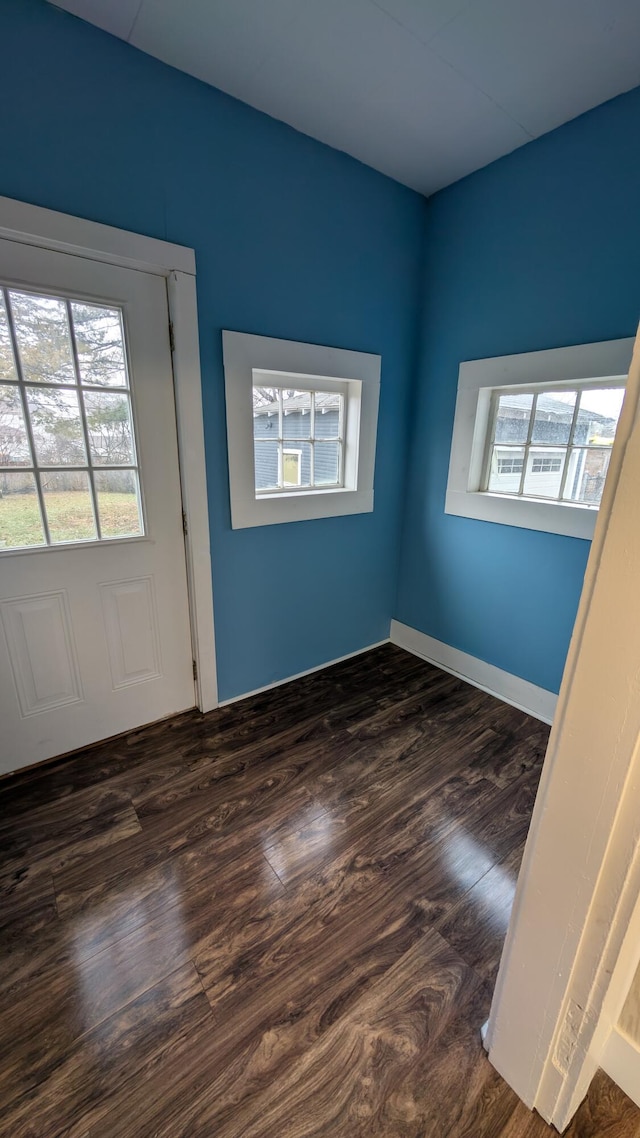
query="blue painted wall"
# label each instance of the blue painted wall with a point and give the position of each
(292, 239)
(539, 250)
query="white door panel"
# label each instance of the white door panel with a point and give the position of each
(94, 636)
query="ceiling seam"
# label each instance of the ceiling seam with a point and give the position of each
(134, 21)
(426, 44)
(481, 90)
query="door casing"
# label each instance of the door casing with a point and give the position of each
(572, 944)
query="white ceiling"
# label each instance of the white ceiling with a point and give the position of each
(423, 90)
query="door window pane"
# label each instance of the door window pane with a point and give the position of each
(54, 351)
(57, 427)
(100, 345)
(42, 334)
(109, 428)
(20, 521)
(14, 443)
(7, 363)
(118, 503)
(67, 501)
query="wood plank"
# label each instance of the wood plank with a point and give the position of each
(283, 917)
(76, 1086)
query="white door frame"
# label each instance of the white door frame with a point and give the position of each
(568, 957)
(47, 229)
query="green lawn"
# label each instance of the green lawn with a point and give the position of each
(70, 517)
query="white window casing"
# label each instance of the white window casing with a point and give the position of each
(356, 375)
(606, 362)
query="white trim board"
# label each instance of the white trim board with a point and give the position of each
(511, 689)
(307, 672)
(621, 1061)
(314, 367)
(34, 225)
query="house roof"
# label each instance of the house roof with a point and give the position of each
(324, 402)
(553, 407)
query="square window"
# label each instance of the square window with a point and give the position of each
(301, 429)
(533, 436)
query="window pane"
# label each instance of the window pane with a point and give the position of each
(506, 469)
(598, 415)
(67, 501)
(57, 428)
(109, 426)
(328, 408)
(296, 419)
(118, 503)
(586, 475)
(14, 444)
(20, 521)
(327, 464)
(42, 333)
(266, 464)
(306, 450)
(99, 344)
(291, 467)
(7, 363)
(512, 419)
(266, 413)
(554, 415)
(544, 472)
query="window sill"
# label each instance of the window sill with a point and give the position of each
(300, 506)
(566, 518)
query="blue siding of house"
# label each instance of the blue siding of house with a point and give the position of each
(292, 239)
(296, 430)
(538, 250)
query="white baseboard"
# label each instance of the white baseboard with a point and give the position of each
(299, 675)
(511, 689)
(621, 1061)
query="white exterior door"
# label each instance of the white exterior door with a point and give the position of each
(94, 614)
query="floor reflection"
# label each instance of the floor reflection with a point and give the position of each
(115, 942)
(311, 836)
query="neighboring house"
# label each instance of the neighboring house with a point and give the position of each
(586, 470)
(296, 446)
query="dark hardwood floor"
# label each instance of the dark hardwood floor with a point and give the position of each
(281, 919)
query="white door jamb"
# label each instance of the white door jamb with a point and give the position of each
(580, 877)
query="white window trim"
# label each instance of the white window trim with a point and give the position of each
(606, 360)
(48, 229)
(317, 367)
